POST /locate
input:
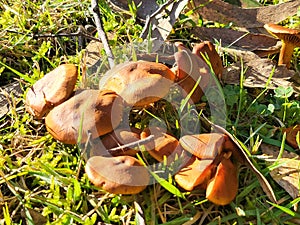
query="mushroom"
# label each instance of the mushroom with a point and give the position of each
(117, 175)
(191, 68)
(206, 47)
(114, 139)
(94, 111)
(164, 145)
(290, 39)
(291, 134)
(51, 90)
(223, 187)
(197, 172)
(139, 83)
(210, 166)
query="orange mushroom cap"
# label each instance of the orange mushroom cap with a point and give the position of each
(98, 111)
(190, 68)
(51, 90)
(114, 139)
(197, 172)
(290, 39)
(203, 146)
(206, 47)
(139, 83)
(117, 175)
(223, 187)
(164, 145)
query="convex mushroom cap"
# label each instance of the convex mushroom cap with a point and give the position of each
(163, 145)
(191, 69)
(207, 48)
(111, 144)
(89, 111)
(117, 175)
(290, 39)
(139, 83)
(203, 146)
(51, 90)
(196, 173)
(223, 187)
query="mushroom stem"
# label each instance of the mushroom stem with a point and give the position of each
(286, 53)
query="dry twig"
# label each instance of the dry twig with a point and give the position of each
(101, 33)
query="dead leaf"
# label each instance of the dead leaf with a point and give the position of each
(161, 22)
(258, 71)
(6, 93)
(145, 8)
(37, 217)
(260, 44)
(219, 11)
(291, 135)
(287, 174)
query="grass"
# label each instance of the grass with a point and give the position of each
(42, 181)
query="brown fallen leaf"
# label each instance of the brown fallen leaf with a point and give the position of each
(37, 217)
(258, 71)
(287, 174)
(7, 94)
(161, 22)
(144, 8)
(220, 11)
(260, 44)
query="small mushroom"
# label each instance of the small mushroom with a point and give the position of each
(139, 83)
(291, 134)
(223, 187)
(191, 68)
(94, 111)
(164, 145)
(203, 146)
(51, 90)
(290, 39)
(117, 175)
(197, 172)
(206, 47)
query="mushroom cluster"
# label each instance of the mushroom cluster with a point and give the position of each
(208, 160)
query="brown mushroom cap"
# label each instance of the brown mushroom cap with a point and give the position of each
(139, 83)
(51, 90)
(206, 47)
(164, 145)
(291, 133)
(223, 187)
(196, 172)
(117, 175)
(203, 146)
(191, 68)
(99, 111)
(290, 39)
(116, 138)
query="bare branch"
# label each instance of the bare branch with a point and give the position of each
(101, 33)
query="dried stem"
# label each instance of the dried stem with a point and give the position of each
(101, 33)
(133, 144)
